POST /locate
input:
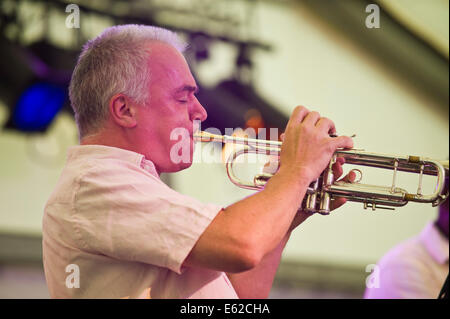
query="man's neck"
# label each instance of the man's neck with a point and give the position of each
(106, 139)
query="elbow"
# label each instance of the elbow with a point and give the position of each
(247, 262)
(248, 256)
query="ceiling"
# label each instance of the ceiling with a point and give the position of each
(427, 19)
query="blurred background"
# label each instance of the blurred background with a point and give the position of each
(254, 61)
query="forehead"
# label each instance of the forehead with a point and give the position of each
(168, 66)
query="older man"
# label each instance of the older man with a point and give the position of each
(113, 229)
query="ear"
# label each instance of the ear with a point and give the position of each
(123, 111)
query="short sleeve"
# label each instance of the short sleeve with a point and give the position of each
(121, 211)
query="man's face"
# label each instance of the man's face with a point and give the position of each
(171, 110)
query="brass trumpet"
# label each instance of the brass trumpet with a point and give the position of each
(320, 193)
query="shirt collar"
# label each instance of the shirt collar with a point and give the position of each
(102, 151)
(149, 167)
(435, 243)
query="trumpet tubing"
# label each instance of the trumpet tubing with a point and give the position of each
(320, 192)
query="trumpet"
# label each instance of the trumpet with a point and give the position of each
(321, 191)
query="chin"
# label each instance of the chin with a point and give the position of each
(184, 166)
(176, 167)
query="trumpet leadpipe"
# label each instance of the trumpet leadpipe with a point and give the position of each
(202, 136)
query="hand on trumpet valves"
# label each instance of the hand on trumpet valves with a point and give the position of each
(307, 146)
(336, 202)
(273, 164)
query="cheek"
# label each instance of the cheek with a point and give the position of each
(162, 119)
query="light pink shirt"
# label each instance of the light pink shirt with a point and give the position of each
(414, 269)
(125, 230)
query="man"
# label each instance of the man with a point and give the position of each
(124, 232)
(416, 268)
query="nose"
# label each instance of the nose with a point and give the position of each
(198, 111)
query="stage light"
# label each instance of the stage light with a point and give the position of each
(37, 106)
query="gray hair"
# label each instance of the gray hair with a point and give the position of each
(114, 62)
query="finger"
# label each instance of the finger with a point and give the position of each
(297, 116)
(337, 168)
(342, 142)
(350, 177)
(326, 125)
(282, 137)
(337, 202)
(340, 160)
(312, 118)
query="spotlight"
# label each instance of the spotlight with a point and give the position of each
(36, 107)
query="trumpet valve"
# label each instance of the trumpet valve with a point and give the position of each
(325, 197)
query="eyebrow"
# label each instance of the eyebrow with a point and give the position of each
(188, 88)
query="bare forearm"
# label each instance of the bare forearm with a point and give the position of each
(243, 233)
(257, 282)
(268, 215)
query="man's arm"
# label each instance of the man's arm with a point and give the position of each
(242, 234)
(257, 282)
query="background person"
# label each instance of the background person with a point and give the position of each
(418, 267)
